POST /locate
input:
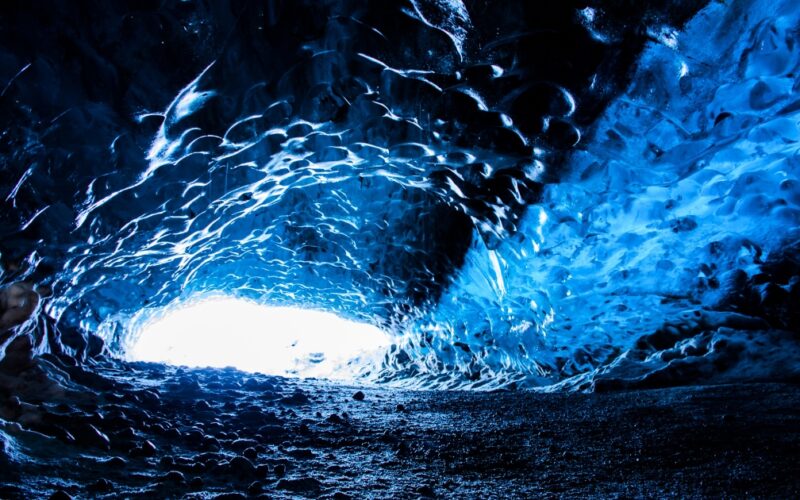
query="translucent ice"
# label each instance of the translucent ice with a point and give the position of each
(520, 193)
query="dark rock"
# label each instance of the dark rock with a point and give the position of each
(303, 485)
(279, 470)
(59, 433)
(301, 453)
(146, 449)
(60, 495)
(88, 435)
(200, 468)
(297, 398)
(262, 471)
(210, 443)
(126, 434)
(196, 483)
(388, 437)
(359, 396)
(242, 467)
(174, 476)
(230, 496)
(149, 399)
(194, 436)
(242, 444)
(272, 433)
(250, 453)
(255, 488)
(426, 491)
(101, 486)
(402, 449)
(116, 462)
(253, 384)
(256, 416)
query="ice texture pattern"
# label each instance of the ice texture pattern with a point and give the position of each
(585, 195)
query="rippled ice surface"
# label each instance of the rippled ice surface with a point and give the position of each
(515, 203)
(686, 191)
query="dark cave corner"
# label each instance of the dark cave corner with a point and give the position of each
(575, 228)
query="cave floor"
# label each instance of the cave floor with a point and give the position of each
(150, 431)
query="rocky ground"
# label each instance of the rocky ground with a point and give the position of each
(153, 431)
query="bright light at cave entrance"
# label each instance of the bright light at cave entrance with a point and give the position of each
(220, 332)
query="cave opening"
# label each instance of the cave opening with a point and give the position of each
(221, 331)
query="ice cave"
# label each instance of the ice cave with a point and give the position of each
(399, 249)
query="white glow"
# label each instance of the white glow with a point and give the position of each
(220, 332)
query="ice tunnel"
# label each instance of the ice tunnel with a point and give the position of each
(556, 245)
(519, 194)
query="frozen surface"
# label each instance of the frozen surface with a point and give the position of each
(684, 199)
(519, 195)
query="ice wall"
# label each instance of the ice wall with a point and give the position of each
(521, 193)
(668, 252)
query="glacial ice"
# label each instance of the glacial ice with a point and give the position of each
(623, 211)
(683, 202)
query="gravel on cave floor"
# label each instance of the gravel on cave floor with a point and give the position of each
(152, 431)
